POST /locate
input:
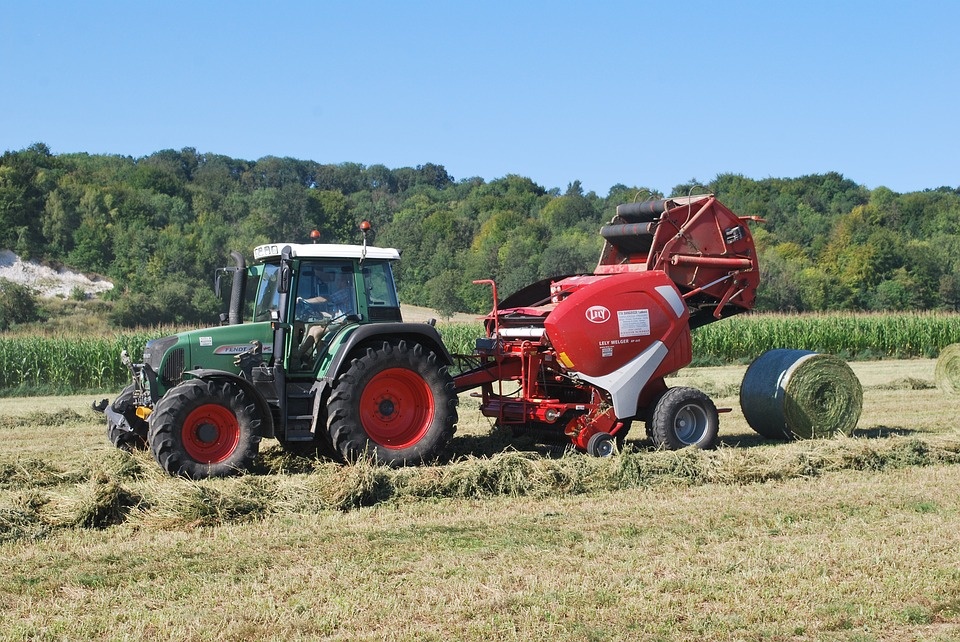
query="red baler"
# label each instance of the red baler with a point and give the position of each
(584, 356)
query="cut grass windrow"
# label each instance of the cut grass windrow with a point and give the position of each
(120, 487)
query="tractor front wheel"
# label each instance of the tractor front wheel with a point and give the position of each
(204, 429)
(395, 404)
(684, 417)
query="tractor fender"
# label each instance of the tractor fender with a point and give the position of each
(263, 408)
(375, 333)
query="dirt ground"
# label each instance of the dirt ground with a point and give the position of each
(417, 314)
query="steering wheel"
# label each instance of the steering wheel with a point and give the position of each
(308, 311)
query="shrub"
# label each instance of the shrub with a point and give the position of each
(17, 304)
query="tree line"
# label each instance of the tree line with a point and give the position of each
(158, 226)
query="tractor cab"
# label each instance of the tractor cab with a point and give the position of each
(315, 293)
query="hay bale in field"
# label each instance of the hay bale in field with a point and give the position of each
(798, 394)
(947, 372)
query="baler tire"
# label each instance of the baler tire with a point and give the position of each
(602, 444)
(203, 429)
(129, 440)
(647, 415)
(395, 405)
(684, 417)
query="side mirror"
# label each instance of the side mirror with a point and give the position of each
(283, 285)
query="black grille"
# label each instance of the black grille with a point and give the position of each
(173, 369)
(384, 314)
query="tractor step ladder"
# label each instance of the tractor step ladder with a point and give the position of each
(299, 418)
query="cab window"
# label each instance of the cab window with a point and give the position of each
(267, 297)
(379, 285)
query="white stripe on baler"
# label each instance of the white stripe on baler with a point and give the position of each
(670, 295)
(625, 383)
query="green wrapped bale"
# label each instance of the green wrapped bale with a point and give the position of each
(798, 394)
(947, 372)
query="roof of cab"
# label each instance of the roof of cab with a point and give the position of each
(323, 251)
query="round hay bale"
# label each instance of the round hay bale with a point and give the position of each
(798, 394)
(947, 372)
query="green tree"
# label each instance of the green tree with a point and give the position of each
(570, 252)
(329, 212)
(780, 269)
(569, 211)
(443, 293)
(17, 304)
(899, 292)
(949, 291)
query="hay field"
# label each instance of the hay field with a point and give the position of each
(847, 539)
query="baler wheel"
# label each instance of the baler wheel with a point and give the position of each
(204, 429)
(601, 444)
(395, 404)
(684, 417)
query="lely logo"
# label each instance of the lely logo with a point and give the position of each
(597, 314)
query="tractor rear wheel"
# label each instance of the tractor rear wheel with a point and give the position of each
(684, 417)
(204, 429)
(395, 404)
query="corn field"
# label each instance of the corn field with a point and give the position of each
(851, 336)
(67, 365)
(64, 365)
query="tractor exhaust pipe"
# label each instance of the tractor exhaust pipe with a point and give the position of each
(235, 316)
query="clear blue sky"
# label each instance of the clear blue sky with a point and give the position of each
(642, 93)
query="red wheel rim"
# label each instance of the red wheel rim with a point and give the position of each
(210, 434)
(396, 408)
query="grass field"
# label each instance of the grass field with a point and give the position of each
(851, 539)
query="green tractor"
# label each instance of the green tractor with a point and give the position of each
(313, 352)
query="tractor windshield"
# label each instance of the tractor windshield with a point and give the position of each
(325, 289)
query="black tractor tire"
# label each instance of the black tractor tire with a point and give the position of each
(205, 429)
(684, 417)
(394, 404)
(129, 440)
